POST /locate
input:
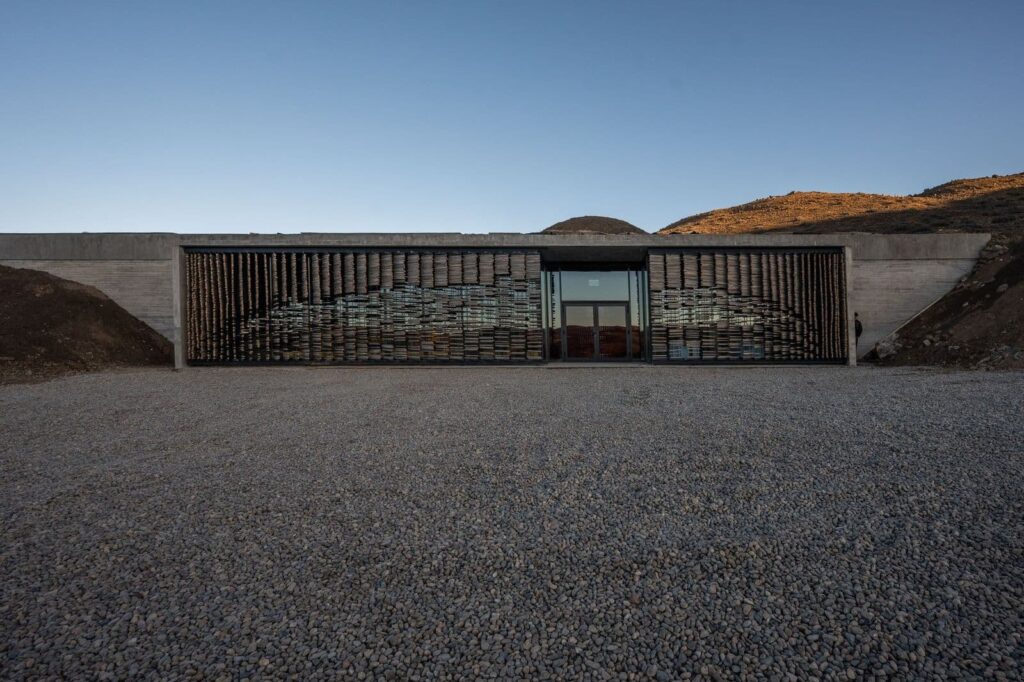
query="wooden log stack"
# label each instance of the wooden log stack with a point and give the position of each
(337, 306)
(731, 305)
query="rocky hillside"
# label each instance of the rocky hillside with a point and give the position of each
(51, 326)
(994, 204)
(980, 324)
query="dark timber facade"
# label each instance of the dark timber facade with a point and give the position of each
(364, 306)
(734, 305)
(346, 305)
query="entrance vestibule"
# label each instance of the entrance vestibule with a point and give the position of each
(595, 314)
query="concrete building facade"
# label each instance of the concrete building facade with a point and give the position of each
(406, 298)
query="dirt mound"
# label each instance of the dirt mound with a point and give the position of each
(51, 326)
(593, 224)
(994, 204)
(978, 325)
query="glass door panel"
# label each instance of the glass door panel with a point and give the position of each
(593, 288)
(579, 331)
(612, 332)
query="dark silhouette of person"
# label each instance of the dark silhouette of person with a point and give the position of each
(858, 329)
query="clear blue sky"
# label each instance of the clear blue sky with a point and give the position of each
(488, 116)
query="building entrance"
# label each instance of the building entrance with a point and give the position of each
(596, 331)
(595, 315)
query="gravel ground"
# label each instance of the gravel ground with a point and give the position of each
(495, 522)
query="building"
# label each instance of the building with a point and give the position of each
(510, 298)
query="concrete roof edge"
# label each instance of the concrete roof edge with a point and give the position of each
(158, 245)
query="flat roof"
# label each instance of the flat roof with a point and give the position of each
(567, 247)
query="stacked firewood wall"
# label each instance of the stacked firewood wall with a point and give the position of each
(747, 305)
(363, 306)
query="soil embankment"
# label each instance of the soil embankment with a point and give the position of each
(978, 325)
(51, 326)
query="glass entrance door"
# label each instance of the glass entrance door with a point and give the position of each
(595, 314)
(613, 337)
(596, 331)
(579, 343)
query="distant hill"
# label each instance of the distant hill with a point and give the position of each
(593, 224)
(993, 204)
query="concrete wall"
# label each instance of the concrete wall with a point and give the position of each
(887, 294)
(140, 287)
(893, 278)
(133, 270)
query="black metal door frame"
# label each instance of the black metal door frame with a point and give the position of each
(595, 330)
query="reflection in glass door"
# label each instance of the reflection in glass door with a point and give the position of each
(613, 337)
(595, 314)
(596, 331)
(578, 328)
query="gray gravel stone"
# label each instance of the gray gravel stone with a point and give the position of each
(666, 523)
